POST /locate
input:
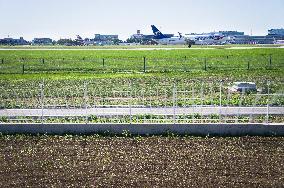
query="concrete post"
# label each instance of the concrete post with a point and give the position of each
(220, 101)
(42, 99)
(174, 103)
(86, 101)
(268, 93)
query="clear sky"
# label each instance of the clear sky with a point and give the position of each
(66, 18)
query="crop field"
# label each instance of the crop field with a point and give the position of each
(145, 92)
(154, 78)
(168, 161)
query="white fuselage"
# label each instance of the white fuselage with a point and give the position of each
(198, 40)
(208, 39)
(172, 41)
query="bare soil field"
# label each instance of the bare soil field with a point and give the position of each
(97, 161)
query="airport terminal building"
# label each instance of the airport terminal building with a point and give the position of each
(42, 41)
(12, 41)
(274, 36)
(240, 38)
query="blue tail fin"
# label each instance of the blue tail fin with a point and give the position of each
(158, 34)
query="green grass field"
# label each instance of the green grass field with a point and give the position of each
(112, 68)
(222, 63)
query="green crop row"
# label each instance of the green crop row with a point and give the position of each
(148, 91)
(148, 118)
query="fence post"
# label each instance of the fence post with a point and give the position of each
(23, 64)
(174, 103)
(220, 102)
(103, 62)
(144, 64)
(202, 100)
(2, 61)
(270, 60)
(268, 93)
(86, 101)
(41, 99)
(205, 64)
(248, 65)
(130, 107)
(42, 61)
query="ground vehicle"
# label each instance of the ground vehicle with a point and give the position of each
(243, 87)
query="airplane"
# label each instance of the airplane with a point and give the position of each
(84, 42)
(79, 40)
(160, 38)
(204, 39)
(209, 39)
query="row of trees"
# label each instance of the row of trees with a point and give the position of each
(142, 41)
(76, 42)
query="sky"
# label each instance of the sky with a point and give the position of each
(67, 18)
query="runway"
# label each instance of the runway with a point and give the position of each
(124, 111)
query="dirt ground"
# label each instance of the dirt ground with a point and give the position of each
(97, 161)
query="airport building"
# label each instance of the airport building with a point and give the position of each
(11, 41)
(246, 39)
(273, 36)
(105, 39)
(277, 35)
(100, 37)
(231, 33)
(42, 41)
(276, 32)
(138, 35)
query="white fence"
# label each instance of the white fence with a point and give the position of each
(143, 103)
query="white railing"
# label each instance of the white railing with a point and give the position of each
(176, 103)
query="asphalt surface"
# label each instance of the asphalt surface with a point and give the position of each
(112, 111)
